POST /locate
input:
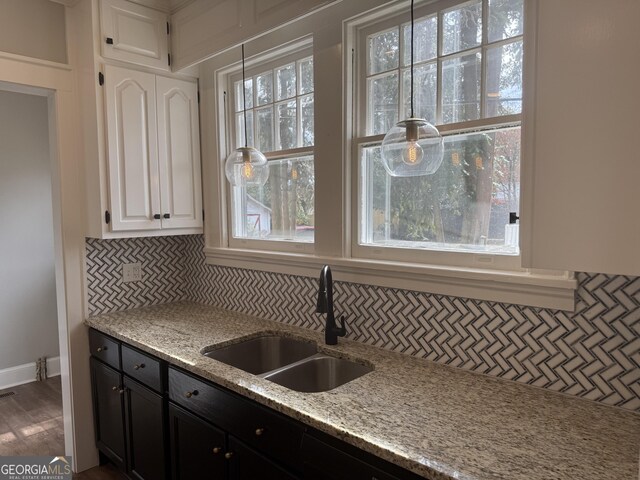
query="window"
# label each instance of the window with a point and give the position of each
(468, 82)
(280, 123)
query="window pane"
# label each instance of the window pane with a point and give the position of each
(264, 129)
(282, 209)
(505, 19)
(425, 45)
(248, 83)
(504, 80)
(306, 111)
(462, 28)
(463, 207)
(306, 75)
(264, 88)
(286, 82)
(383, 52)
(240, 129)
(461, 88)
(287, 125)
(425, 90)
(382, 93)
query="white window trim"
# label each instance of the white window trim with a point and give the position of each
(554, 290)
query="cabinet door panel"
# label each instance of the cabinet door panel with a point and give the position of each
(144, 413)
(108, 403)
(247, 463)
(197, 448)
(179, 153)
(132, 143)
(137, 34)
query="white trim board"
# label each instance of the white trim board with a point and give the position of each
(26, 373)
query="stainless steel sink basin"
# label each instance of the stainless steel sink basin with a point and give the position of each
(318, 373)
(263, 354)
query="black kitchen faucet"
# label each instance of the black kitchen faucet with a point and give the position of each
(325, 305)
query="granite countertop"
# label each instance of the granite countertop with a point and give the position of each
(436, 421)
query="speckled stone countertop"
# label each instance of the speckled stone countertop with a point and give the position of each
(439, 422)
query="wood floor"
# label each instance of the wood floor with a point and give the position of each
(31, 424)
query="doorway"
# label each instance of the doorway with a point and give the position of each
(31, 418)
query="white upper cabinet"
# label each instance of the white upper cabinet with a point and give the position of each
(132, 149)
(134, 33)
(153, 152)
(580, 142)
(179, 153)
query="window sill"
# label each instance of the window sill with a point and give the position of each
(522, 288)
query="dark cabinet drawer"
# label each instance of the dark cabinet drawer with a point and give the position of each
(332, 459)
(271, 433)
(104, 348)
(142, 367)
(245, 464)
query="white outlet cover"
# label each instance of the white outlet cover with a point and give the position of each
(131, 272)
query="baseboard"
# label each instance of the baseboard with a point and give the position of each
(21, 374)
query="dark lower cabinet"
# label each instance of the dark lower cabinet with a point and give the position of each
(108, 406)
(159, 423)
(144, 414)
(197, 448)
(246, 463)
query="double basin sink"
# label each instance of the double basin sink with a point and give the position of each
(292, 363)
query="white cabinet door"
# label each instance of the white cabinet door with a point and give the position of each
(135, 34)
(179, 153)
(130, 103)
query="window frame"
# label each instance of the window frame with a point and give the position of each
(332, 29)
(261, 63)
(360, 138)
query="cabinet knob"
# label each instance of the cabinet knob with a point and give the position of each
(217, 450)
(101, 349)
(138, 367)
(156, 216)
(121, 391)
(167, 215)
(114, 388)
(259, 431)
(191, 394)
(228, 455)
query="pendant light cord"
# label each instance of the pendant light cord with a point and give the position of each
(244, 95)
(411, 60)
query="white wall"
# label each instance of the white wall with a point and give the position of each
(28, 312)
(33, 28)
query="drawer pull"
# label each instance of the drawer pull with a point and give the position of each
(228, 455)
(191, 394)
(117, 389)
(138, 367)
(217, 450)
(259, 431)
(101, 349)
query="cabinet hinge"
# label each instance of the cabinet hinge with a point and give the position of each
(203, 214)
(100, 78)
(168, 28)
(198, 96)
(513, 217)
(107, 217)
(169, 58)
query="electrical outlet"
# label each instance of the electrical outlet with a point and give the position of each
(131, 272)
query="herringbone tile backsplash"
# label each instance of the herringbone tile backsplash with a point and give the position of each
(592, 353)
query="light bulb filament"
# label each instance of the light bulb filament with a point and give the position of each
(247, 170)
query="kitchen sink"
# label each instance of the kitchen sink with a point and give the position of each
(318, 373)
(263, 354)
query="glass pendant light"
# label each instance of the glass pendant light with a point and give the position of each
(246, 165)
(413, 146)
